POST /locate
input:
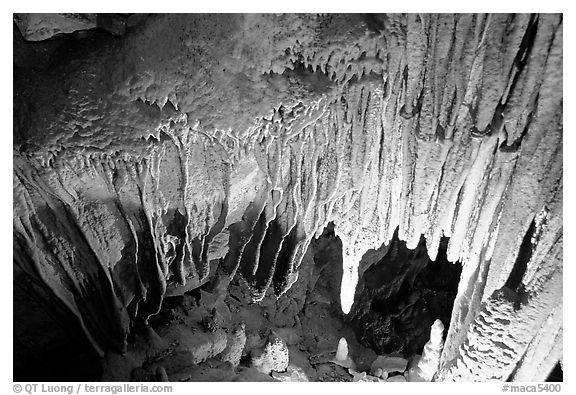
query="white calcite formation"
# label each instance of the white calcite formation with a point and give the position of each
(274, 357)
(342, 356)
(342, 350)
(204, 146)
(428, 363)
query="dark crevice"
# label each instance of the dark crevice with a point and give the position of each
(284, 260)
(557, 374)
(240, 235)
(523, 54)
(176, 227)
(312, 80)
(269, 251)
(249, 260)
(63, 342)
(374, 22)
(199, 265)
(514, 281)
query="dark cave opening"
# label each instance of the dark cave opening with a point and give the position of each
(400, 293)
(399, 297)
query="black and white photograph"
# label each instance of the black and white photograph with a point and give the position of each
(286, 197)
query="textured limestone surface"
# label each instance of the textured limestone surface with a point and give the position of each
(274, 357)
(37, 27)
(196, 149)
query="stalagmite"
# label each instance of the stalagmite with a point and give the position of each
(342, 350)
(430, 360)
(342, 357)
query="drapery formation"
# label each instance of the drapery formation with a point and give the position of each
(198, 147)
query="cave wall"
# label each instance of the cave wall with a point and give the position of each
(198, 146)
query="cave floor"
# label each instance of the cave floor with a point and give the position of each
(206, 336)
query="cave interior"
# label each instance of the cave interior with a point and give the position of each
(287, 197)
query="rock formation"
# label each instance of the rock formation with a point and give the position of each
(189, 152)
(428, 363)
